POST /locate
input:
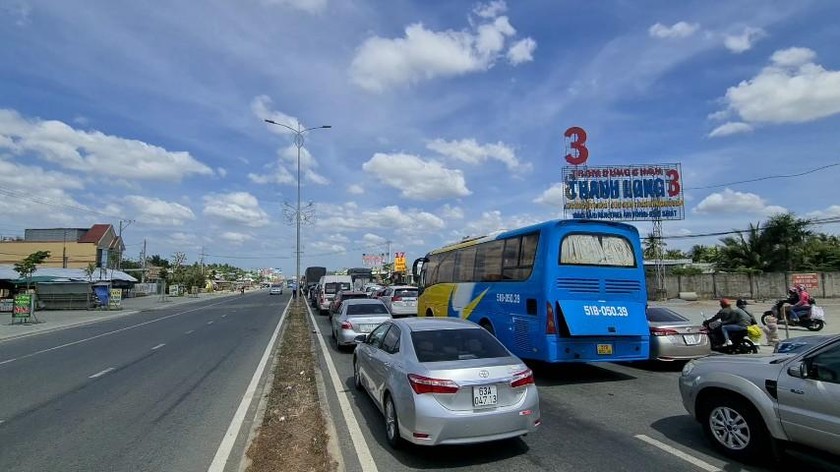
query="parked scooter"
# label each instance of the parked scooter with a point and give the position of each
(741, 343)
(814, 320)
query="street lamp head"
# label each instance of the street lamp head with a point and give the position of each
(270, 121)
(326, 126)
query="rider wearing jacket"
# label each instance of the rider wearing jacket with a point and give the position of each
(733, 319)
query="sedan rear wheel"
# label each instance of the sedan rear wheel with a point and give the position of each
(392, 424)
(357, 376)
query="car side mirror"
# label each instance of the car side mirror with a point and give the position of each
(800, 371)
(360, 339)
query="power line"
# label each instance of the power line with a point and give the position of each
(769, 177)
(329, 253)
(815, 222)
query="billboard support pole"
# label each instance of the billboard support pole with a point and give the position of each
(659, 265)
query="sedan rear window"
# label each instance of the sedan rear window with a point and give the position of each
(456, 344)
(663, 315)
(367, 309)
(405, 293)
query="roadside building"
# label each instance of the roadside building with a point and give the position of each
(70, 248)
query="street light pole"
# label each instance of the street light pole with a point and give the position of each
(299, 140)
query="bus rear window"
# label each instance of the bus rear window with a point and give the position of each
(596, 249)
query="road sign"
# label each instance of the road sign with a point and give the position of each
(399, 262)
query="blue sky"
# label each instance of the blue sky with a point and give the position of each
(447, 116)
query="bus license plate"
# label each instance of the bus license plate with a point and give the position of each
(605, 349)
(485, 395)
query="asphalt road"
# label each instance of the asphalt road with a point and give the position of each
(152, 391)
(600, 417)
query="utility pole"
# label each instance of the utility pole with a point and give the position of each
(119, 249)
(143, 263)
(201, 259)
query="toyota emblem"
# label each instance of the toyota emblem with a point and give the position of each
(483, 374)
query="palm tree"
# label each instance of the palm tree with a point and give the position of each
(653, 246)
(740, 252)
(786, 236)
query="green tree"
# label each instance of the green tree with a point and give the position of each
(744, 252)
(158, 261)
(653, 246)
(675, 254)
(29, 265)
(702, 253)
(785, 236)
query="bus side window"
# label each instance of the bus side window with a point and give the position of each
(490, 268)
(466, 264)
(446, 268)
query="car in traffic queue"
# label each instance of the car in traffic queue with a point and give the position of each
(445, 381)
(275, 290)
(341, 296)
(357, 316)
(748, 404)
(674, 337)
(791, 345)
(401, 300)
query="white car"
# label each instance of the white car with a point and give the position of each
(276, 290)
(401, 300)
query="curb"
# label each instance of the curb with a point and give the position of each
(259, 415)
(332, 440)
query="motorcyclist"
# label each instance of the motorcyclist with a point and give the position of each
(742, 304)
(802, 306)
(733, 320)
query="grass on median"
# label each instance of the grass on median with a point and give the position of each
(293, 436)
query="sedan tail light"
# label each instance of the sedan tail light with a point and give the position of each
(346, 325)
(663, 332)
(704, 330)
(521, 379)
(422, 385)
(396, 299)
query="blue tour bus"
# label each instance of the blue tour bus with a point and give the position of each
(557, 291)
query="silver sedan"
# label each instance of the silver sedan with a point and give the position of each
(357, 316)
(445, 381)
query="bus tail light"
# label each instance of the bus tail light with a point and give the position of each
(550, 323)
(422, 385)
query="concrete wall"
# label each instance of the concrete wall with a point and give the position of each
(752, 286)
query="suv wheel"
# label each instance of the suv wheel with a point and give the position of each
(735, 428)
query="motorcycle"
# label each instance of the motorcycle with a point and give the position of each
(814, 320)
(741, 343)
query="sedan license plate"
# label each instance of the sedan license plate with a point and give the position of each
(605, 349)
(691, 339)
(485, 395)
(366, 328)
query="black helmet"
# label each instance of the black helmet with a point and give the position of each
(741, 303)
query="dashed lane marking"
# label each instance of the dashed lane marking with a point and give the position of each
(676, 452)
(190, 331)
(209, 322)
(100, 374)
(158, 346)
(7, 361)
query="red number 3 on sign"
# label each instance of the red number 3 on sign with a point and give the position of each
(578, 144)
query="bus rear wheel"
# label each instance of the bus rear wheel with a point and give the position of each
(486, 325)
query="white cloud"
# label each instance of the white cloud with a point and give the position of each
(415, 178)
(277, 175)
(236, 238)
(155, 211)
(491, 221)
(180, 240)
(719, 115)
(284, 169)
(451, 213)
(309, 6)
(328, 248)
(730, 201)
(52, 200)
(490, 9)
(744, 41)
(92, 152)
(677, 30)
(468, 150)
(355, 189)
(236, 208)
(261, 107)
(20, 11)
(370, 238)
(522, 51)
(553, 196)
(730, 127)
(221, 171)
(831, 212)
(423, 54)
(409, 222)
(792, 89)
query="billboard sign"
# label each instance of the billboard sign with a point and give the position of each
(624, 192)
(399, 262)
(810, 281)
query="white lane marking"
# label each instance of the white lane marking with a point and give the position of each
(224, 316)
(359, 442)
(62, 346)
(225, 448)
(7, 361)
(100, 374)
(190, 331)
(209, 322)
(158, 346)
(682, 455)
